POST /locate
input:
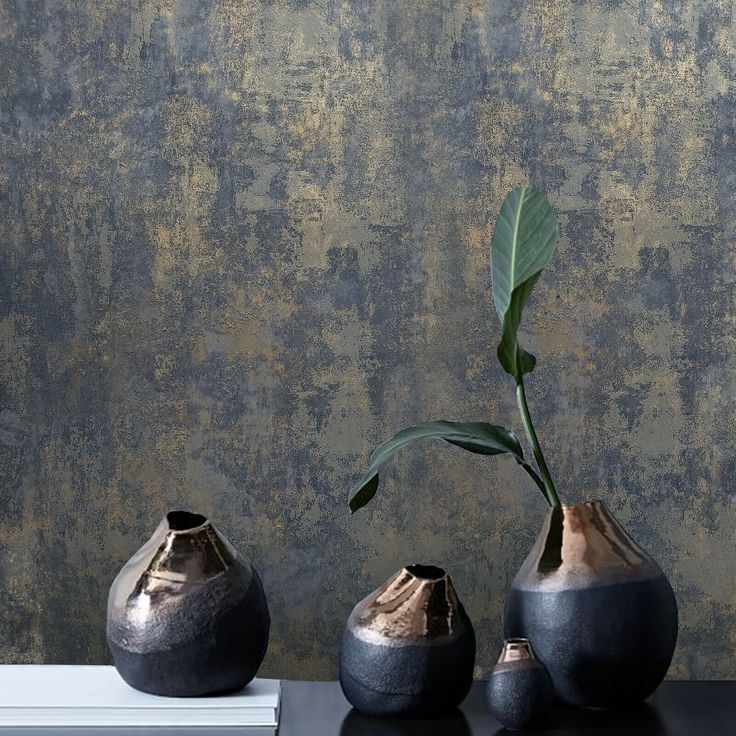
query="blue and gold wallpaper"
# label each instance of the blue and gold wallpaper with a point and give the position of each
(242, 243)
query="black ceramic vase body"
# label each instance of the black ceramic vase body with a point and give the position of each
(187, 615)
(519, 691)
(409, 647)
(600, 613)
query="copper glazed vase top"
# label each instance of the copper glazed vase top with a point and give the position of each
(184, 554)
(516, 649)
(582, 545)
(418, 603)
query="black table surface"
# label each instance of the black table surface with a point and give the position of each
(677, 708)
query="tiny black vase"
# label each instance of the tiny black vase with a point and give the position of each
(409, 647)
(519, 691)
(187, 615)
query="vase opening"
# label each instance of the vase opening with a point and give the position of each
(594, 502)
(184, 521)
(426, 572)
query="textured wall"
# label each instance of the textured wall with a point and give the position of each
(243, 242)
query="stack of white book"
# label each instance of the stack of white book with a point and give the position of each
(72, 696)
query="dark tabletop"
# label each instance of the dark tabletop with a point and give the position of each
(677, 708)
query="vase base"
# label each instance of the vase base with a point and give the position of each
(619, 657)
(374, 703)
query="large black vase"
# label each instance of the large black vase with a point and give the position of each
(187, 615)
(409, 647)
(600, 612)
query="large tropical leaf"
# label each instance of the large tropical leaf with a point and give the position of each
(478, 437)
(524, 240)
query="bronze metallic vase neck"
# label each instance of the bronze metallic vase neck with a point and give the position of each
(516, 650)
(418, 603)
(580, 545)
(185, 550)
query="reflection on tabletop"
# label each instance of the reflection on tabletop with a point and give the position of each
(676, 709)
(636, 721)
(453, 724)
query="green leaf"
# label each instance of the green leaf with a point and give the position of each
(524, 240)
(479, 437)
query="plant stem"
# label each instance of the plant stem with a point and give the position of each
(535, 477)
(549, 486)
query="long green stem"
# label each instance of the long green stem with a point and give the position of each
(535, 477)
(549, 486)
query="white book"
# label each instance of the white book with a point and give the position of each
(74, 696)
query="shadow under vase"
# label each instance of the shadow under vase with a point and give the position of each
(452, 723)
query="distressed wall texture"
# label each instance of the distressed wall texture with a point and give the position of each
(244, 242)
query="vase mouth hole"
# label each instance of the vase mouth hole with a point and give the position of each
(426, 572)
(594, 502)
(184, 521)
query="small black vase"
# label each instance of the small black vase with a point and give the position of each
(187, 615)
(599, 610)
(519, 690)
(409, 647)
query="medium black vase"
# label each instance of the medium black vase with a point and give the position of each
(409, 647)
(187, 615)
(600, 612)
(519, 691)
